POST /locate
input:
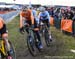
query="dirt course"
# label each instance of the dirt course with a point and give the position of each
(23, 52)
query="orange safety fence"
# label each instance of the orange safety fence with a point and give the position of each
(66, 25)
(51, 21)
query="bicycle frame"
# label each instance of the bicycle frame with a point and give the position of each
(2, 47)
(43, 26)
(30, 31)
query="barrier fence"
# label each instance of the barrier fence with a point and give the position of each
(67, 25)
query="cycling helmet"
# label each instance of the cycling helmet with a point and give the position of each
(42, 9)
(30, 7)
(24, 8)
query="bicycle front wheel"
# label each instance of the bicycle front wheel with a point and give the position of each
(31, 45)
(13, 53)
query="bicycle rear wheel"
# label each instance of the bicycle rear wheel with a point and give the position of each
(31, 46)
(13, 53)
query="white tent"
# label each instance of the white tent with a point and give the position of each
(43, 2)
(64, 2)
(58, 2)
(6, 6)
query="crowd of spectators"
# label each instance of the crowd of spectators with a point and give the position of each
(59, 13)
(62, 12)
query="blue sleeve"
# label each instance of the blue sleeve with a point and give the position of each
(34, 13)
(36, 17)
(48, 15)
(37, 20)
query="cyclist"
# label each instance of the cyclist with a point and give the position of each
(35, 15)
(28, 17)
(4, 36)
(38, 11)
(45, 18)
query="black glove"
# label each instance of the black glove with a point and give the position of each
(21, 30)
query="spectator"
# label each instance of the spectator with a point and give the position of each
(69, 14)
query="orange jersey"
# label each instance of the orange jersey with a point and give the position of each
(27, 15)
(1, 22)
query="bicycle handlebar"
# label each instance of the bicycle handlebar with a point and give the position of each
(28, 28)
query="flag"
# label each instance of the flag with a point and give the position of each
(30, 3)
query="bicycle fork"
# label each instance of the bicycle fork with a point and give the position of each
(31, 36)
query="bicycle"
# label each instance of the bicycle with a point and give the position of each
(3, 50)
(45, 33)
(32, 41)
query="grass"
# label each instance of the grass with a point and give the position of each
(64, 43)
(61, 47)
(14, 34)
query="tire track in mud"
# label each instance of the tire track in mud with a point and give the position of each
(23, 52)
